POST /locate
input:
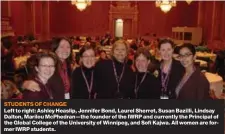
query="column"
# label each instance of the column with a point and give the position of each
(29, 23)
(222, 33)
(45, 34)
(200, 14)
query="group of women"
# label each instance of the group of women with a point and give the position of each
(113, 78)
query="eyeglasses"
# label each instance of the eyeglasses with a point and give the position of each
(47, 66)
(184, 56)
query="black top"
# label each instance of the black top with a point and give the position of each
(106, 80)
(175, 75)
(56, 83)
(149, 88)
(79, 86)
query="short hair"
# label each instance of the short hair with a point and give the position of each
(86, 47)
(188, 46)
(176, 50)
(102, 51)
(163, 41)
(120, 41)
(143, 51)
(41, 55)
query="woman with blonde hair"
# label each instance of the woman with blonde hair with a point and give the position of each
(114, 78)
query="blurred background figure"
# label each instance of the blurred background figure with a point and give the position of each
(102, 55)
(9, 90)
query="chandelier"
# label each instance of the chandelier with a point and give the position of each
(81, 4)
(189, 1)
(165, 5)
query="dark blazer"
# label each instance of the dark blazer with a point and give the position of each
(42, 95)
(196, 87)
(175, 76)
(106, 82)
(149, 88)
(78, 84)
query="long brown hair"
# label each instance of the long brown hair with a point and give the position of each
(55, 45)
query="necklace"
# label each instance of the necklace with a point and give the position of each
(138, 86)
(89, 87)
(118, 78)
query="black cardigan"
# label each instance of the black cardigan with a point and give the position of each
(78, 84)
(175, 76)
(106, 82)
(149, 88)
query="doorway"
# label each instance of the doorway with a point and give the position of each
(119, 28)
(129, 15)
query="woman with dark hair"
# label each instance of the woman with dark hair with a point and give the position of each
(171, 71)
(83, 84)
(194, 84)
(147, 86)
(102, 55)
(62, 48)
(114, 78)
(60, 81)
(35, 48)
(44, 68)
(176, 52)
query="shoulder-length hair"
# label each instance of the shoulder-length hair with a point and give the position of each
(34, 61)
(116, 43)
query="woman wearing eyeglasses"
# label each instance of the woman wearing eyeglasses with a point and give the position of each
(60, 81)
(194, 84)
(171, 71)
(83, 85)
(44, 68)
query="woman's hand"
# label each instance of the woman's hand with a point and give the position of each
(31, 86)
